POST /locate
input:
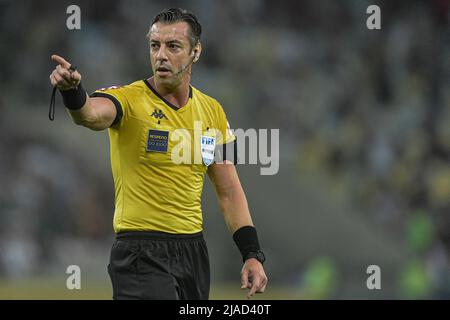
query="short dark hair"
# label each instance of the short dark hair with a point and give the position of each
(174, 15)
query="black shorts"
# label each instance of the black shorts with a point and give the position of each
(157, 265)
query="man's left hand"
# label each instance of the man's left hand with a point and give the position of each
(253, 277)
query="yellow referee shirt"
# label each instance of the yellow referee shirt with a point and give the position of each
(159, 156)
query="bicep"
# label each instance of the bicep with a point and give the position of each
(223, 176)
(105, 111)
(97, 114)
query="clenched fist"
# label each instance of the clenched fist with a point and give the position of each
(63, 77)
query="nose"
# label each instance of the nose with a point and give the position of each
(161, 53)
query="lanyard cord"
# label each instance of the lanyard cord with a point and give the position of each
(51, 110)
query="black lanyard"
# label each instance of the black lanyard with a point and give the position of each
(51, 109)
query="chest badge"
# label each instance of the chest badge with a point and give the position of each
(207, 146)
(158, 141)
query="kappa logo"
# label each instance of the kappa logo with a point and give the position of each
(158, 114)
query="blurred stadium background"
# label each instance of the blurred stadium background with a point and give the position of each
(364, 120)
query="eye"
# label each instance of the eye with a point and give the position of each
(173, 46)
(154, 45)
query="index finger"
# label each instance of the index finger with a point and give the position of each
(255, 287)
(61, 61)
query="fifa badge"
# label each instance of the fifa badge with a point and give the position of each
(207, 145)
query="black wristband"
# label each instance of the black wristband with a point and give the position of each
(74, 99)
(246, 239)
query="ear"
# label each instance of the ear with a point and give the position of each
(197, 51)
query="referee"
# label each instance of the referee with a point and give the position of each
(159, 251)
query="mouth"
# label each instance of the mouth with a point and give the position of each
(162, 71)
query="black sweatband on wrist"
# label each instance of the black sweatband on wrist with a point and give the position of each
(246, 239)
(74, 99)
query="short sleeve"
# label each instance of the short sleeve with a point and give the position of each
(226, 134)
(117, 95)
(226, 146)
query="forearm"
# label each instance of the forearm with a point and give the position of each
(239, 222)
(85, 116)
(78, 105)
(82, 110)
(234, 207)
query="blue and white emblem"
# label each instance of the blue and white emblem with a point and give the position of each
(207, 146)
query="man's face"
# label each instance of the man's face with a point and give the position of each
(170, 51)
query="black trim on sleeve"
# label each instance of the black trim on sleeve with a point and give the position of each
(119, 110)
(221, 154)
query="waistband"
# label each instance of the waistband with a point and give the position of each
(158, 235)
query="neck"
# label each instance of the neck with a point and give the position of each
(177, 95)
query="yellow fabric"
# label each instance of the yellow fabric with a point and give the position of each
(151, 191)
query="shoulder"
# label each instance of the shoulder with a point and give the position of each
(206, 100)
(131, 87)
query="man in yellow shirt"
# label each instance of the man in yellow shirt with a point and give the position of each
(164, 136)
